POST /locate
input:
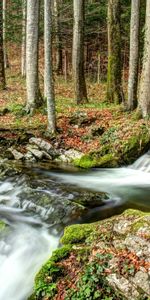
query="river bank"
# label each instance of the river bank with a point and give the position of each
(109, 259)
(106, 138)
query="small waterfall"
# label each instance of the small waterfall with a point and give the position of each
(143, 163)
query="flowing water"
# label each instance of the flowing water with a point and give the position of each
(39, 202)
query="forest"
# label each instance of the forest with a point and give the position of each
(74, 149)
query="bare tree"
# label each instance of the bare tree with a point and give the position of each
(2, 69)
(134, 54)
(78, 53)
(144, 95)
(32, 40)
(58, 41)
(23, 46)
(48, 74)
(114, 76)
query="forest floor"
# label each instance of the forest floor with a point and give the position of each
(86, 128)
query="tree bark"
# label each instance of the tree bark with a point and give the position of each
(32, 41)
(134, 54)
(114, 76)
(48, 73)
(2, 68)
(78, 53)
(58, 42)
(23, 46)
(144, 95)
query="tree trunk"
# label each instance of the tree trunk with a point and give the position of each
(32, 40)
(2, 69)
(23, 48)
(48, 73)
(6, 63)
(114, 76)
(78, 53)
(144, 96)
(56, 6)
(134, 55)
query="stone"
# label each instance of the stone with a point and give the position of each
(141, 279)
(37, 153)
(123, 284)
(44, 145)
(16, 154)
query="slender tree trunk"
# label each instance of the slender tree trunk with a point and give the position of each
(48, 74)
(23, 47)
(144, 95)
(78, 53)
(6, 63)
(2, 69)
(32, 41)
(58, 41)
(114, 76)
(134, 54)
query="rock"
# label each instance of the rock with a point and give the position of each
(108, 256)
(16, 154)
(141, 279)
(139, 245)
(122, 284)
(44, 145)
(69, 156)
(37, 153)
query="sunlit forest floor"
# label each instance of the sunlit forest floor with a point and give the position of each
(86, 128)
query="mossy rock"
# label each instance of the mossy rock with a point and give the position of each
(76, 233)
(93, 160)
(88, 248)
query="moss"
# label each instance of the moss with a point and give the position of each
(2, 226)
(93, 160)
(134, 213)
(86, 161)
(61, 253)
(45, 281)
(77, 233)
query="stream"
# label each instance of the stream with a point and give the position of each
(39, 202)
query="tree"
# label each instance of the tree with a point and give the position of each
(134, 54)
(48, 74)
(58, 42)
(2, 69)
(114, 75)
(144, 95)
(34, 99)
(78, 53)
(6, 64)
(23, 47)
